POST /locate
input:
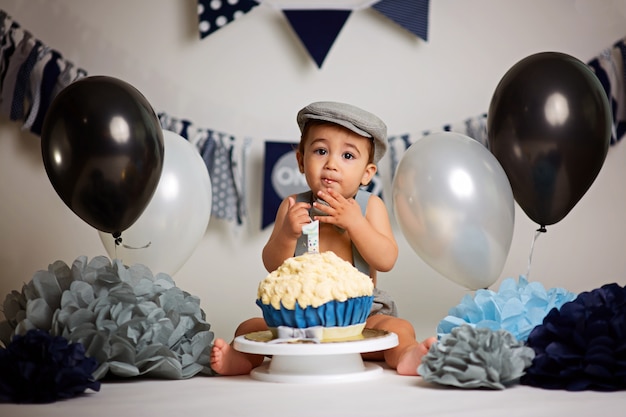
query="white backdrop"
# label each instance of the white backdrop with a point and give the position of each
(251, 77)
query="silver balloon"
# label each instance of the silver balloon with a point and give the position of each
(455, 206)
(171, 227)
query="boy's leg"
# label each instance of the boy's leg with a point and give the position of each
(407, 355)
(225, 360)
(255, 324)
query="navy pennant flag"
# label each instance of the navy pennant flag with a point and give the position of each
(317, 29)
(410, 14)
(281, 178)
(213, 15)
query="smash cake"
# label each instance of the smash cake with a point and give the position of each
(317, 291)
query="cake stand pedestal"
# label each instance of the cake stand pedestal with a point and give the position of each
(315, 362)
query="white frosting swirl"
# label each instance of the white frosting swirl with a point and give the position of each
(313, 279)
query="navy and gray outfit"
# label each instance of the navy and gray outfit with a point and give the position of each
(383, 303)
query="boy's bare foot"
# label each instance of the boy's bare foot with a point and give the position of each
(412, 357)
(225, 360)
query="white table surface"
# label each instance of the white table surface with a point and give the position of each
(387, 395)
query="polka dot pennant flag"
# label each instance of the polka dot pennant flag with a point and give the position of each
(215, 14)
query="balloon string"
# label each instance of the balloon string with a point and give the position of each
(137, 247)
(118, 241)
(542, 229)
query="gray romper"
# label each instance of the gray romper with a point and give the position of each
(383, 303)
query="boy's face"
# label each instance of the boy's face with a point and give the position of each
(335, 157)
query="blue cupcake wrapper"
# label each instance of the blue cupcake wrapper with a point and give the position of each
(330, 314)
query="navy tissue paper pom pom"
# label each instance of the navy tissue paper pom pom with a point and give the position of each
(40, 368)
(582, 346)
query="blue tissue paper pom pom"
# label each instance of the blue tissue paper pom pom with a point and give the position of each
(517, 307)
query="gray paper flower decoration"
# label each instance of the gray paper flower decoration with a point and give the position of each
(470, 357)
(131, 322)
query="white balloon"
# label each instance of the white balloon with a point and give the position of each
(175, 220)
(455, 206)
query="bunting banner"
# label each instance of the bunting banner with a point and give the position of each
(610, 68)
(317, 23)
(32, 74)
(225, 157)
(473, 127)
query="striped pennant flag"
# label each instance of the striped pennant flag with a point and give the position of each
(410, 14)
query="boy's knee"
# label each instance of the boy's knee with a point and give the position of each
(251, 325)
(390, 323)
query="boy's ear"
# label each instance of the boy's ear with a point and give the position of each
(300, 163)
(368, 174)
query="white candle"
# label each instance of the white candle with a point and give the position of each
(312, 232)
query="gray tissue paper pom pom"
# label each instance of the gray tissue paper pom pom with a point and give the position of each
(470, 357)
(131, 322)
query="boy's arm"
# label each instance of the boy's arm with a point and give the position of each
(290, 218)
(373, 237)
(371, 234)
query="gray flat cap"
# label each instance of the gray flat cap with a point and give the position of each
(357, 120)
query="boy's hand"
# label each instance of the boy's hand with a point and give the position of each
(297, 216)
(340, 211)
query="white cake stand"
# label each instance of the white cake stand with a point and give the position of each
(315, 362)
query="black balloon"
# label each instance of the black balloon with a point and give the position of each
(102, 149)
(549, 126)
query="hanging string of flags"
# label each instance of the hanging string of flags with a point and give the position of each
(317, 23)
(31, 74)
